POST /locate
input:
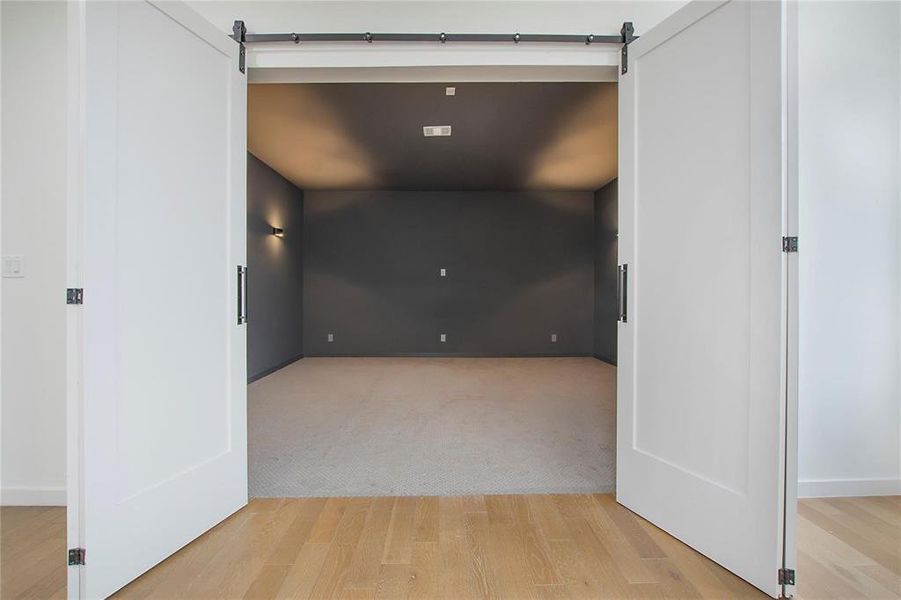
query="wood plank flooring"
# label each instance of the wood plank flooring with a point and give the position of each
(514, 547)
(32, 552)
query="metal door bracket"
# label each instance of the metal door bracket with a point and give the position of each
(790, 244)
(76, 557)
(74, 295)
(786, 577)
(239, 34)
(628, 34)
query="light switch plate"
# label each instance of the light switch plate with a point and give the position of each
(331, 337)
(450, 91)
(443, 337)
(553, 337)
(13, 265)
(443, 272)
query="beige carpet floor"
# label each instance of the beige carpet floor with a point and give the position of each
(432, 426)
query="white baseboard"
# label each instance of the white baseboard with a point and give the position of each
(18, 496)
(837, 488)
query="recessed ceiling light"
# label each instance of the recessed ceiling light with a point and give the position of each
(450, 91)
(436, 130)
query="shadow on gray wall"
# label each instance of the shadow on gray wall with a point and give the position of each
(519, 265)
(274, 271)
(605, 310)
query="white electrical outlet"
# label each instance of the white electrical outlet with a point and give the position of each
(436, 130)
(450, 91)
(553, 337)
(14, 265)
(444, 272)
(443, 337)
(331, 337)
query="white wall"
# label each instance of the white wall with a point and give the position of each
(277, 63)
(32, 371)
(850, 258)
(450, 16)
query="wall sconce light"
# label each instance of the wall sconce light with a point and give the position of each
(278, 232)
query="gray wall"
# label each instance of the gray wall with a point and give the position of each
(605, 313)
(520, 266)
(274, 270)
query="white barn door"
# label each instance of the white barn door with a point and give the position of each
(163, 453)
(701, 387)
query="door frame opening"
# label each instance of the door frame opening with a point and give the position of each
(399, 61)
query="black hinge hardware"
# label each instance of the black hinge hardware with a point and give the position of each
(74, 295)
(239, 33)
(628, 33)
(76, 557)
(786, 577)
(790, 243)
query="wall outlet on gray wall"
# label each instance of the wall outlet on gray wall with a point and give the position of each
(498, 298)
(443, 337)
(553, 337)
(331, 337)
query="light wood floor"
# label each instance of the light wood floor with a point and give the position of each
(579, 546)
